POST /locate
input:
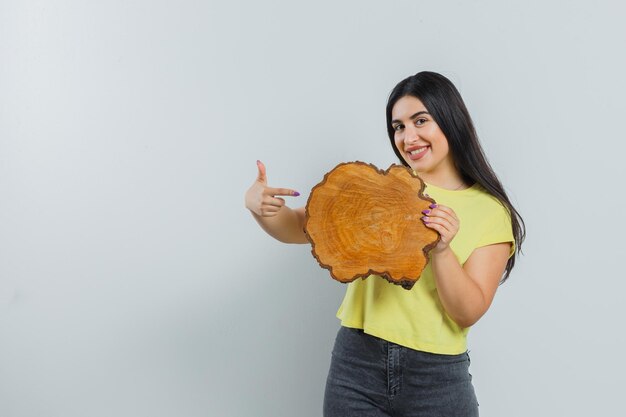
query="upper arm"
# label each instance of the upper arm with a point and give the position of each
(485, 267)
(300, 214)
(494, 247)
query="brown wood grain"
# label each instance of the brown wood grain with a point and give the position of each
(361, 221)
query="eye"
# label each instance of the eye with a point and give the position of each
(420, 122)
(397, 127)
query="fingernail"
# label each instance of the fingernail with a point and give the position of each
(425, 211)
(295, 193)
(433, 206)
(424, 219)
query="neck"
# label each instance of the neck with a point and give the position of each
(444, 175)
(449, 183)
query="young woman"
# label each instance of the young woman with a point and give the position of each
(399, 352)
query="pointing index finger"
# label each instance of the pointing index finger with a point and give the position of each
(282, 191)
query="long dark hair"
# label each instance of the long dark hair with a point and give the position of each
(445, 105)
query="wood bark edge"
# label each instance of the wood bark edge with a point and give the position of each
(406, 282)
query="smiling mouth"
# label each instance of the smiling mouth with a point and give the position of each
(416, 154)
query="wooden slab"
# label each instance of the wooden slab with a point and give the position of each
(361, 221)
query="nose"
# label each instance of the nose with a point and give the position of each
(410, 134)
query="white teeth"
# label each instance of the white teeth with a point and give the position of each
(418, 150)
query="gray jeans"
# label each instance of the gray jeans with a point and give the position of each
(371, 377)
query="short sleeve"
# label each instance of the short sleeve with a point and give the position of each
(498, 229)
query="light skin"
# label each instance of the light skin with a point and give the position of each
(467, 291)
(271, 212)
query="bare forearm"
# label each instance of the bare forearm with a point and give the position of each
(461, 297)
(286, 226)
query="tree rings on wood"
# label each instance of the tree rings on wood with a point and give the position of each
(364, 221)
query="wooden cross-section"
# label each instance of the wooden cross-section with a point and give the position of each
(364, 221)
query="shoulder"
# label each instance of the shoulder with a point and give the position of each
(489, 204)
(488, 214)
(495, 221)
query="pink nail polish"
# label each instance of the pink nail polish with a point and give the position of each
(425, 211)
(296, 194)
(432, 206)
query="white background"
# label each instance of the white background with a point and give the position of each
(133, 282)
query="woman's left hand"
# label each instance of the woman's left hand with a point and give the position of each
(445, 221)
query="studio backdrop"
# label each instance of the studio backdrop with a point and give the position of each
(134, 282)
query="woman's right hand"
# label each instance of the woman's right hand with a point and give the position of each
(261, 199)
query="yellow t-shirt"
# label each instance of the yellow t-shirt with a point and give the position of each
(416, 318)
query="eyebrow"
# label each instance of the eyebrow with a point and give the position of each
(412, 117)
